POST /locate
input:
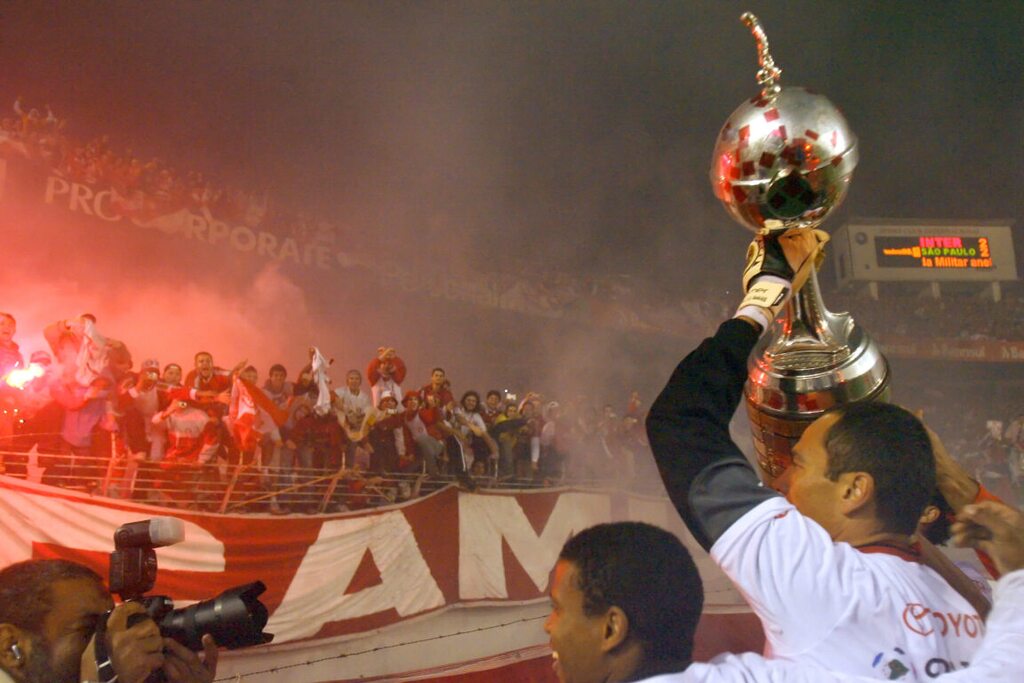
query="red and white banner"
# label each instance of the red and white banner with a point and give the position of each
(445, 585)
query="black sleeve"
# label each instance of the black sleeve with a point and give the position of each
(707, 478)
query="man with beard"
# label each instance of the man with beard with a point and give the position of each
(626, 599)
(49, 612)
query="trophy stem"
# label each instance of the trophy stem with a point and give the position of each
(808, 334)
(810, 361)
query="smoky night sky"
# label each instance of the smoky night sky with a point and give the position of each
(568, 136)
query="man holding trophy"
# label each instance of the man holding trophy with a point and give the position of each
(830, 569)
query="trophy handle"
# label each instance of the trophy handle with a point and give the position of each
(809, 335)
(769, 74)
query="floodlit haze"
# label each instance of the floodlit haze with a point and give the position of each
(542, 136)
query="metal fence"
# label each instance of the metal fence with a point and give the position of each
(222, 486)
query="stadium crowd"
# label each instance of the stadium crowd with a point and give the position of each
(144, 189)
(172, 427)
(908, 314)
(80, 404)
(995, 457)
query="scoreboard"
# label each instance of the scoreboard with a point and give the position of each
(924, 251)
(931, 251)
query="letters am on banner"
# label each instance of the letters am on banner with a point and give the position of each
(335, 575)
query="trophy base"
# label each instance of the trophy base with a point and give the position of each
(774, 438)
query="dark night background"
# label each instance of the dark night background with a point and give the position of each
(557, 136)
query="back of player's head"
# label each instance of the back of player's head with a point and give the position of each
(891, 445)
(648, 574)
(26, 590)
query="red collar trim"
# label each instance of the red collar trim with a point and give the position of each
(906, 553)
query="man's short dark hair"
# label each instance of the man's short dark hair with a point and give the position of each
(891, 445)
(494, 392)
(941, 530)
(648, 574)
(195, 358)
(26, 595)
(8, 316)
(277, 367)
(437, 370)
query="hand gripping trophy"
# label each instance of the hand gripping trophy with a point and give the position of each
(783, 161)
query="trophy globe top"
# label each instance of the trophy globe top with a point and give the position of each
(784, 159)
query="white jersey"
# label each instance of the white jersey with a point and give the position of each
(866, 613)
(1000, 658)
(352, 408)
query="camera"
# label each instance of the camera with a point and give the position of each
(235, 618)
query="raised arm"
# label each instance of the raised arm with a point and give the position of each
(709, 481)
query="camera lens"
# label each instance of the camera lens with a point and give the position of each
(235, 618)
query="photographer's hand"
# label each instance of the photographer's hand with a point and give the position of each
(135, 652)
(181, 665)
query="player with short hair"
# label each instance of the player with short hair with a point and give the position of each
(831, 572)
(626, 599)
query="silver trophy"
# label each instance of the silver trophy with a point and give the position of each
(784, 160)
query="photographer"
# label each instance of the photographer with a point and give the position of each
(49, 614)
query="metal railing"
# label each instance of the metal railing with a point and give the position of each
(222, 486)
